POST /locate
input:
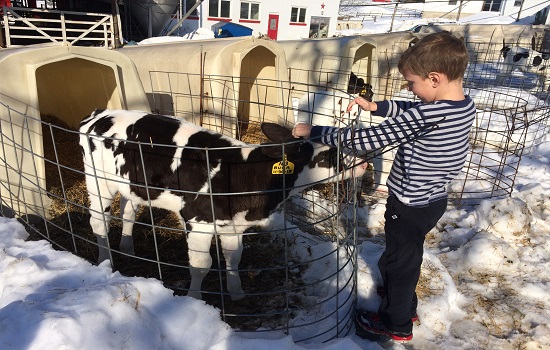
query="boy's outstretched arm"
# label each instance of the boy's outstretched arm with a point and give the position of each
(304, 129)
(364, 104)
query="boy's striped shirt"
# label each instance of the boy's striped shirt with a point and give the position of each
(433, 141)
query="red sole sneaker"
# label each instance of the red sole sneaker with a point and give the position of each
(378, 332)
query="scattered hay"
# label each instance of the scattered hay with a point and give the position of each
(499, 314)
(428, 283)
(252, 133)
(74, 199)
(496, 303)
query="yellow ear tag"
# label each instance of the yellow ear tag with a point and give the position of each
(278, 167)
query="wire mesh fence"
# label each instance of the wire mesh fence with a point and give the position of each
(512, 98)
(279, 267)
(279, 263)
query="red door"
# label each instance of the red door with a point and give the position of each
(273, 26)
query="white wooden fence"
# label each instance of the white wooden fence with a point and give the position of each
(23, 26)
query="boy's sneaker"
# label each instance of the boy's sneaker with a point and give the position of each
(382, 293)
(369, 326)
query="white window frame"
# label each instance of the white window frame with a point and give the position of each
(299, 11)
(218, 8)
(249, 4)
(490, 4)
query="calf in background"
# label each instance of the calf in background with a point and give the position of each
(216, 185)
(328, 106)
(357, 85)
(526, 61)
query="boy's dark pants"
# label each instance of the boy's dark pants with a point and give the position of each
(406, 228)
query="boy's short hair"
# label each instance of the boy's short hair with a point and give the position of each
(440, 52)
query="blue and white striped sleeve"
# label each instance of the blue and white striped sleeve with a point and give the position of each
(391, 108)
(394, 130)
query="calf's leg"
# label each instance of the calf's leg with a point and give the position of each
(200, 260)
(128, 212)
(232, 246)
(100, 216)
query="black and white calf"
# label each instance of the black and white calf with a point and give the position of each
(526, 61)
(216, 184)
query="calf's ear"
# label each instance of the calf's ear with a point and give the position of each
(276, 132)
(279, 134)
(505, 51)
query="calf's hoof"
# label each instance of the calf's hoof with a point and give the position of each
(127, 245)
(194, 294)
(103, 251)
(237, 297)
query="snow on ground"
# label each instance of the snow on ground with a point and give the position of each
(382, 23)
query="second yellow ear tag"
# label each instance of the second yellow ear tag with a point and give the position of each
(284, 165)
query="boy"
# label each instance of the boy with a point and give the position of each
(433, 145)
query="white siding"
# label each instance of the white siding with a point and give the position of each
(286, 30)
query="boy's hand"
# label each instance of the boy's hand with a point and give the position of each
(364, 104)
(302, 130)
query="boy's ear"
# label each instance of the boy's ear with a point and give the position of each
(435, 78)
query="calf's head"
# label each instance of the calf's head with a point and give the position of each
(357, 85)
(308, 162)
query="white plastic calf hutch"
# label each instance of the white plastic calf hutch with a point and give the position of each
(329, 62)
(328, 71)
(65, 82)
(221, 84)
